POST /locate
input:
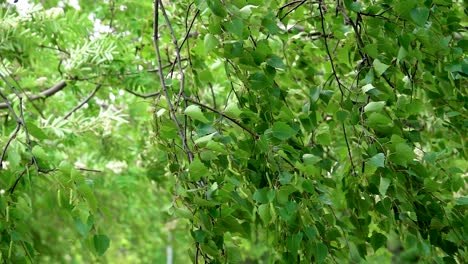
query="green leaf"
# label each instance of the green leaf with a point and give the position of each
(217, 7)
(374, 106)
(420, 15)
(384, 183)
(372, 50)
(195, 112)
(378, 120)
(39, 152)
(293, 242)
(368, 87)
(321, 252)
(197, 170)
(341, 115)
(232, 110)
(276, 62)
(210, 42)
(36, 132)
(264, 213)
(205, 139)
(282, 131)
(269, 22)
(236, 27)
(378, 240)
(86, 191)
(246, 11)
(401, 54)
(462, 200)
(403, 154)
(380, 67)
(101, 244)
(377, 160)
(264, 195)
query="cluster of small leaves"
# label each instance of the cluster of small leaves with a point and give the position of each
(320, 131)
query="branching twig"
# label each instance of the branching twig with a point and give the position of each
(180, 129)
(83, 102)
(177, 50)
(297, 4)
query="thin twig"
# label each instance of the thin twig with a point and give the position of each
(82, 102)
(177, 50)
(13, 187)
(340, 85)
(180, 129)
(299, 3)
(26, 134)
(89, 170)
(144, 96)
(225, 116)
(322, 19)
(5, 148)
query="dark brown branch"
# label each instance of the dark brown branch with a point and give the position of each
(83, 102)
(44, 94)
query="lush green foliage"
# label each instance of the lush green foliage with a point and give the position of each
(301, 131)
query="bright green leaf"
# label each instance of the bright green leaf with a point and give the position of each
(374, 106)
(210, 42)
(197, 170)
(377, 160)
(384, 183)
(36, 132)
(380, 67)
(195, 112)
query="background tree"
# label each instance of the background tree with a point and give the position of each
(266, 131)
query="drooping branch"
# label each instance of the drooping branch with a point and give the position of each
(180, 129)
(341, 87)
(44, 94)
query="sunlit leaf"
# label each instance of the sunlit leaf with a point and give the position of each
(195, 112)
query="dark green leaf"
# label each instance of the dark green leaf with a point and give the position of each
(282, 131)
(101, 244)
